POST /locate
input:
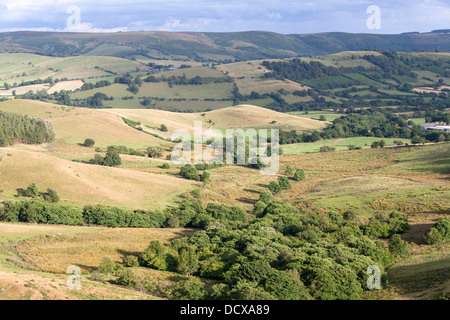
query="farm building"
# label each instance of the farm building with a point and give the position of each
(435, 126)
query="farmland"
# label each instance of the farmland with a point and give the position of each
(359, 182)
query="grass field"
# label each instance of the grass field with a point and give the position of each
(81, 184)
(329, 116)
(423, 276)
(366, 180)
(18, 67)
(237, 117)
(74, 125)
(55, 254)
(339, 144)
(34, 259)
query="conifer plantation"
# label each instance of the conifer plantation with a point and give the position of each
(16, 128)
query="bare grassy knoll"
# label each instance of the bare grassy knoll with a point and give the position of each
(82, 184)
(242, 116)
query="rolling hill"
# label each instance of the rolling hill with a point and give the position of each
(251, 45)
(74, 125)
(81, 184)
(236, 117)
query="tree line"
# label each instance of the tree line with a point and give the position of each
(15, 128)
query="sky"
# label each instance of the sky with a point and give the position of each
(281, 16)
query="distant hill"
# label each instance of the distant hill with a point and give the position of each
(236, 46)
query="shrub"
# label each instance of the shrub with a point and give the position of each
(433, 236)
(131, 261)
(126, 277)
(274, 187)
(299, 175)
(32, 191)
(398, 247)
(165, 166)
(288, 170)
(284, 183)
(107, 266)
(439, 233)
(89, 143)
(349, 215)
(206, 177)
(265, 197)
(190, 172)
(327, 149)
(190, 289)
(154, 152)
(112, 159)
(51, 196)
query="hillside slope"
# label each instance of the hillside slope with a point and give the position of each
(74, 125)
(236, 117)
(81, 184)
(214, 46)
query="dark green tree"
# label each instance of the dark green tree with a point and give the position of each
(112, 159)
(89, 143)
(299, 175)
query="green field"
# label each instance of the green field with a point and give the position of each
(339, 144)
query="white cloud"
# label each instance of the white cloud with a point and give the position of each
(88, 27)
(285, 16)
(273, 16)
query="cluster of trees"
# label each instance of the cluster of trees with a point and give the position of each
(298, 70)
(372, 122)
(15, 128)
(190, 172)
(95, 101)
(48, 80)
(188, 213)
(439, 233)
(387, 66)
(133, 84)
(111, 159)
(99, 84)
(40, 211)
(391, 63)
(32, 191)
(277, 253)
(183, 80)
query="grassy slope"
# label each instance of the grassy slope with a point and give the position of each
(339, 144)
(243, 116)
(14, 65)
(52, 248)
(74, 125)
(240, 45)
(81, 184)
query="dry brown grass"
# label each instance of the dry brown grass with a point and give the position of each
(55, 254)
(65, 85)
(82, 184)
(350, 173)
(74, 125)
(243, 116)
(26, 285)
